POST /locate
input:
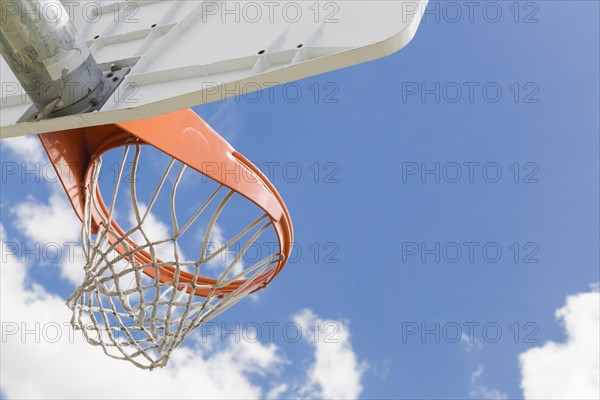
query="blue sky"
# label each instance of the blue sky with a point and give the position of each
(370, 132)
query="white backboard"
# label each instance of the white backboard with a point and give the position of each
(187, 53)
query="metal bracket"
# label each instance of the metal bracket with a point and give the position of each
(111, 79)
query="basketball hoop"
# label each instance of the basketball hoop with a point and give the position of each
(143, 292)
(134, 304)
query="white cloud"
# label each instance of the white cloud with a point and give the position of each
(336, 372)
(571, 369)
(27, 148)
(472, 345)
(277, 392)
(480, 391)
(53, 223)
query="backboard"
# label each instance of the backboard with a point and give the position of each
(187, 53)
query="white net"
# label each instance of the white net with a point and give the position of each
(142, 293)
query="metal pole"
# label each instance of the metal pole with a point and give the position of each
(55, 67)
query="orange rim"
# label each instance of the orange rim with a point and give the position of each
(184, 136)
